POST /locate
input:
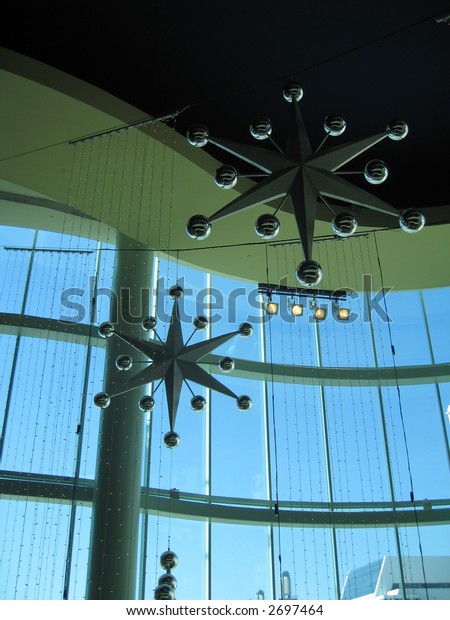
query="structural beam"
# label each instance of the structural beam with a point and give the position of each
(46, 488)
(113, 552)
(38, 327)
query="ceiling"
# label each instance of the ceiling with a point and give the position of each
(226, 64)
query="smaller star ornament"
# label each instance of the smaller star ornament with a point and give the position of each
(296, 177)
(173, 362)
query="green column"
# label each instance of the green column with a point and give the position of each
(113, 553)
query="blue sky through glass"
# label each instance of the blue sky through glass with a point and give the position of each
(304, 463)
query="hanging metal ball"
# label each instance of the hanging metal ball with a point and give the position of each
(226, 364)
(124, 362)
(267, 226)
(168, 580)
(171, 439)
(261, 129)
(226, 177)
(102, 400)
(292, 92)
(164, 592)
(198, 136)
(334, 125)
(198, 403)
(168, 559)
(397, 129)
(244, 403)
(176, 291)
(146, 403)
(149, 323)
(198, 227)
(376, 172)
(245, 330)
(309, 273)
(106, 330)
(344, 224)
(200, 322)
(412, 221)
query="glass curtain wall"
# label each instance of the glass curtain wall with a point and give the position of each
(304, 482)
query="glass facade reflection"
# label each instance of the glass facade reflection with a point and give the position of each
(340, 461)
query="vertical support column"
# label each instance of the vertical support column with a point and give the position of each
(113, 553)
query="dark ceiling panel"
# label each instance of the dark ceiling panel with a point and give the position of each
(369, 61)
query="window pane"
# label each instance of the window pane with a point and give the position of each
(245, 547)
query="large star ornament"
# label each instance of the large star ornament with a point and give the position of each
(173, 362)
(298, 176)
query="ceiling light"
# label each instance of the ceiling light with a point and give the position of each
(343, 314)
(296, 309)
(271, 307)
(320, 313)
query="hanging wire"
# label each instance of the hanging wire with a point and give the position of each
(275, 442)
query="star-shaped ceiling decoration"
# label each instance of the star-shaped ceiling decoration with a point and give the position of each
(298, 176)
(174, 363)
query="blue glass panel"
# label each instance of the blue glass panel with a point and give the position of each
(405, 325)
(356, 441)
(307, 555)
(298, 462)
(423, 441)
(437, 303)
(33, 549)
(240, 562)
(62, 278)
(45, 407)
(237, 440)
(360, 553)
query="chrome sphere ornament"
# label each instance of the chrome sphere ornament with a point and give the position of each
(198, 136)
(245, 330)
(102, 400)
(226, 364)
(124, 362)
(397, 129)
(146, 403)
(334, 125)
(176, 291)
(267, 226)
(168, 559)
(226, 177)
(106, 330)
(149, 323)
(198, 403)
(292, 92)
(198, 227)
(171, 439)
(309, 273)
(344, 224)
(412, 221)
(376, 172)
(261, 129)
(168, 580)
(164, 592)
(244, 403)
(200, 322)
